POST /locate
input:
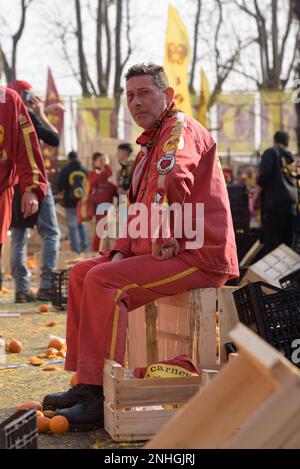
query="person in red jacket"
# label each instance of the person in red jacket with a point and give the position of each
(178, 165)
(101, 189)
(20, 159)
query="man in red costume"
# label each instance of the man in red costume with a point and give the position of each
(102, 190)
(177, 164)
(20, 157)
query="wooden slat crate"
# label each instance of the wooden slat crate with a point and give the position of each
(133, 407)
(254, 402)
(280, 262)
(182, 324)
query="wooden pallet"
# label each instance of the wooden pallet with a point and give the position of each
(136, 409)
(280, 262)
(182, 324)
(254, 402)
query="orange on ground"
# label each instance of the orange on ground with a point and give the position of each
(14, 346)
(51, 324)
(74, 380)
(30, 405)
(43, 308)
(51, 351)
(51, 368)
(42, 424)
(56, 343)
(59, 425)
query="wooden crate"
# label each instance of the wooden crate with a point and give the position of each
(280, 262)
(133, 408)
(182, 324)
(254, 402)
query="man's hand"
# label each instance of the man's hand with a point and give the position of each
(54, 107)
(29, 204)
(118, 256)
(37, 105)
(167, 251)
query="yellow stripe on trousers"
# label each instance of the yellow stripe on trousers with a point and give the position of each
(29, 150)
(120, 291)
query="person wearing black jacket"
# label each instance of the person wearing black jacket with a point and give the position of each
(47, 224)
(72, 182)
(277, 189)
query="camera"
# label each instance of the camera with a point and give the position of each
(26, 97)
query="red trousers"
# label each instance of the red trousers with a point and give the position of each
(5, 212)
(101, 293)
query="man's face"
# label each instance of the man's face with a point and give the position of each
(146, 102)
(100, 162)
(122, 155)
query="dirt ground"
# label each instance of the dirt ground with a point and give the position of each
(32, 383)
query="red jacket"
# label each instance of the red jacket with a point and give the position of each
(102, 190)
(20, 155)
(182, 166)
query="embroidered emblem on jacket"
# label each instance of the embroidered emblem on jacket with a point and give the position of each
(166, 163)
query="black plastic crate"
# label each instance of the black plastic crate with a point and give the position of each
(19, 431)
(272, 313)
(291, 280)
(59, 288)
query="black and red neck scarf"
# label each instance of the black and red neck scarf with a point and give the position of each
(149, 136)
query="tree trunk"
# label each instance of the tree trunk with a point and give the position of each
(102, 85)
(81, 55)
(275, 68)
(108, 44)
(194, 59)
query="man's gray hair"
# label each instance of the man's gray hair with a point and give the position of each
(156, 71)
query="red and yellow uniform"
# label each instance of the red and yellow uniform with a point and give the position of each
(177, 164)
(101, 191)
(20, 156)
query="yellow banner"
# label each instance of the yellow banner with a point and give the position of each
(277, 113)
(177, 55)
(236, 122)
(96, 119)
(204, 100)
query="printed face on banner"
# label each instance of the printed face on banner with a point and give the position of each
(236, 123)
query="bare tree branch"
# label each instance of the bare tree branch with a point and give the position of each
(129, 47)
(296, 50)
(108, 44)
(81, 54)
(100, 19)
(11, 70)
(194, 59)
(286, 35)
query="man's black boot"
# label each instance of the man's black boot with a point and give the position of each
(25, 297)
(73, 396)
(85, 416)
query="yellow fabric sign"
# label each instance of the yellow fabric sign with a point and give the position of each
(204, 100)
(96, 119)
(177, 54)
(236, 122)
(277, 113)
